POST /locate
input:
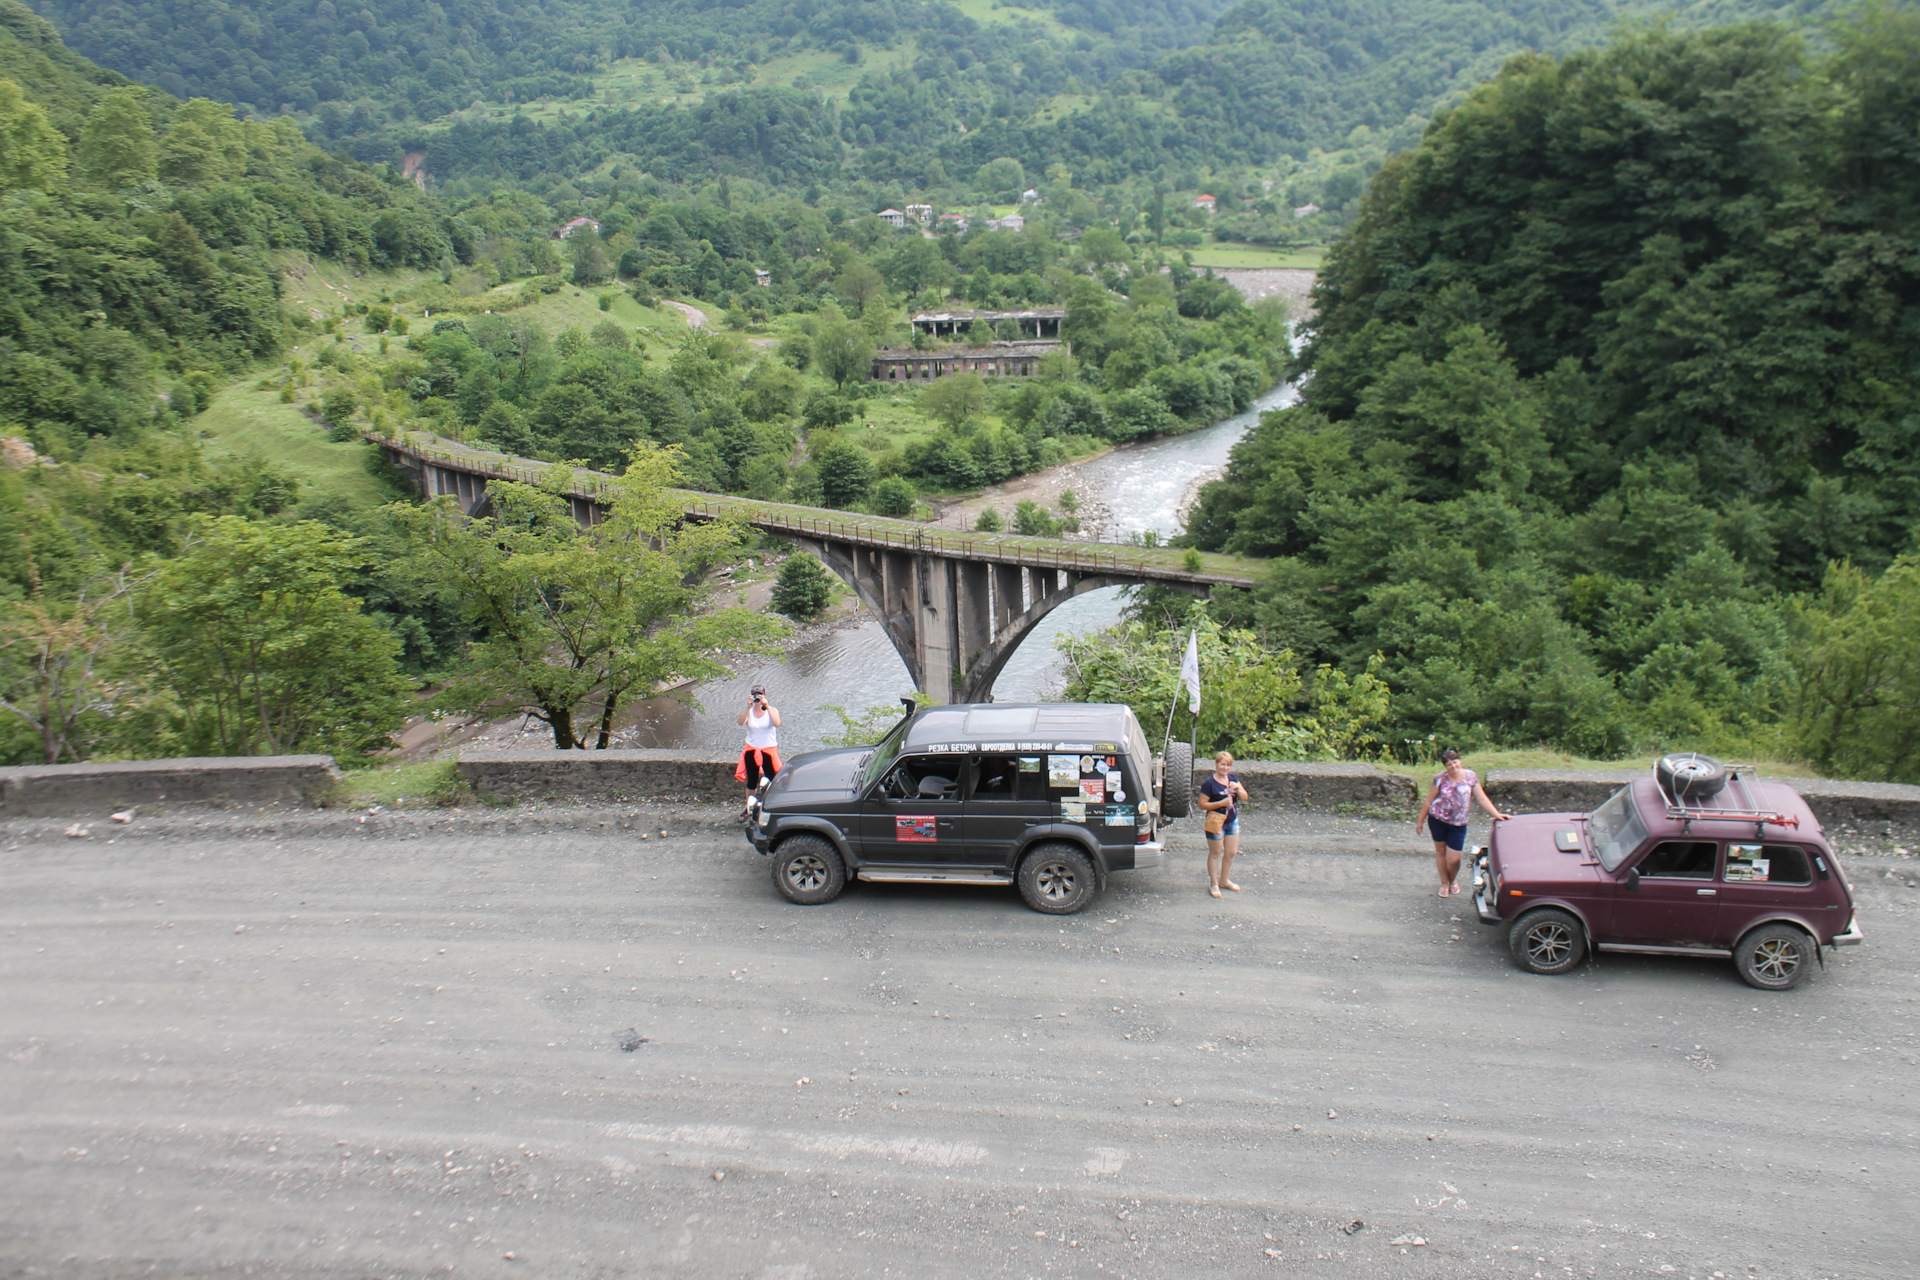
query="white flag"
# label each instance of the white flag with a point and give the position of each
(1190, 671)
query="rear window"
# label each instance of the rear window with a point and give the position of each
(1768, 864)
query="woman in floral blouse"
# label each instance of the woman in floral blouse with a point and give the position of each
(1456, 789)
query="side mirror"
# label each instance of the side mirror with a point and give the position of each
(1633, 879)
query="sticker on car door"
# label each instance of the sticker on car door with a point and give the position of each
(916, 828)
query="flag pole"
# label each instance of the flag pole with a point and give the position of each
(1189, 680)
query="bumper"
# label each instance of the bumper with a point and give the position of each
(1852, 937)
(1148, 855)
(1484, 903)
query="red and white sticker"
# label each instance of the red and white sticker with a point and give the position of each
(916, 828)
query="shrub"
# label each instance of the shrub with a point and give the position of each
(893, 497)
(803, 588)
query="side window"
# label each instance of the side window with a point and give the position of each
(1010, 778)
(1681, 860)
(1768, 864)
(924, 778)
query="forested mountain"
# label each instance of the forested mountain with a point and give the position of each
(425, 61)
(1109, 88)
(134, 245)
(1615, 361)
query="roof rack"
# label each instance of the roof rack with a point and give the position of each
(1737, 801)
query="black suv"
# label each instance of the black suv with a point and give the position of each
(1051, 797)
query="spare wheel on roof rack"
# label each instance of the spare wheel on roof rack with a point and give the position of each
(1688, 775)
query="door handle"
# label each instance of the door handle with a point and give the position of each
(1706, 893)
(946, 822)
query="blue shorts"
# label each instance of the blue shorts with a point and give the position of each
(1231, 829)
(1447, 833)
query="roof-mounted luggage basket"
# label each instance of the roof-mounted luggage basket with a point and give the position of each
(1735, 800)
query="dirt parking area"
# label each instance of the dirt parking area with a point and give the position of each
(533, 1044)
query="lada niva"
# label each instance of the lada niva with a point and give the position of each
(1698, 860)
(1052, 798)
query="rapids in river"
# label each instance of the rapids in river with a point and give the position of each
(856, 667)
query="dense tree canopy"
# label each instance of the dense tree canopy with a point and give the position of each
(1613, 360)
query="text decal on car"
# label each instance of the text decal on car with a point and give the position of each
(915, 828)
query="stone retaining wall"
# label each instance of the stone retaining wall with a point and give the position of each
(95, 790)
(1319, 786)
(1848, 810)
(623, 775)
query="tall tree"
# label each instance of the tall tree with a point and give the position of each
(118, 147)
(33, 155)
(572, 618)
(264, 651)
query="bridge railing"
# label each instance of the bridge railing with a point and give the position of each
(1075, 557)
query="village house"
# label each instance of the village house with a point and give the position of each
(892, 217)
(1012, 222)
(1205, 203)
(994, 360)
(920, 213)
(762, 277)
(958, 221)
(1036, 322)
(576, 225)
(1306, 211)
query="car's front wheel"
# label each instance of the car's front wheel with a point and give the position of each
(1774, 957)
(1057, 878)
(808, 870)
(1548, 940)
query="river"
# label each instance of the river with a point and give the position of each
(856, 667)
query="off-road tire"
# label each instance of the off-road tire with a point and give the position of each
(1057, 878)
(808, 870)
(1176, 783)
(1687, 775)
(1547, 940)
(1775, 957)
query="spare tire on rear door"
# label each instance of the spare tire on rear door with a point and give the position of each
(1176, 783)
(1688, 775)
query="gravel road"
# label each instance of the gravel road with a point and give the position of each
(565, 1052)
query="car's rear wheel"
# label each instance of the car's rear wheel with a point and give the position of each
(808, 870)
(1548, 940)
(1774, 957)
(1057, 878)
(1176, 781)
(1688, 775)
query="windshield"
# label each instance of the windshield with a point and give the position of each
(1615, 829)
(883, 753)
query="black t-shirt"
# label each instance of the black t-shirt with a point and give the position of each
(1212, 790)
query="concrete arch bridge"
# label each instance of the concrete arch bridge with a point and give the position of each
(955, 605)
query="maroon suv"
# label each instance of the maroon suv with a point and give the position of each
(1694, 861)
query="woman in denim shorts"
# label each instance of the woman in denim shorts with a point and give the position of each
(1219, 792)
(1456, 789)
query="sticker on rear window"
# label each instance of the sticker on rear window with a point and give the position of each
(1744, 863)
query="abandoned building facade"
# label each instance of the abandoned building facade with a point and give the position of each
(993, 360)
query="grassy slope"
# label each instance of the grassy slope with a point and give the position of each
(249, 423)
(1254, 255)
(244, 421)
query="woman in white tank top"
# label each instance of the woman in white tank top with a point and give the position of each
(760, 758)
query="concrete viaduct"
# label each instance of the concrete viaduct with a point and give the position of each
(956, 605)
